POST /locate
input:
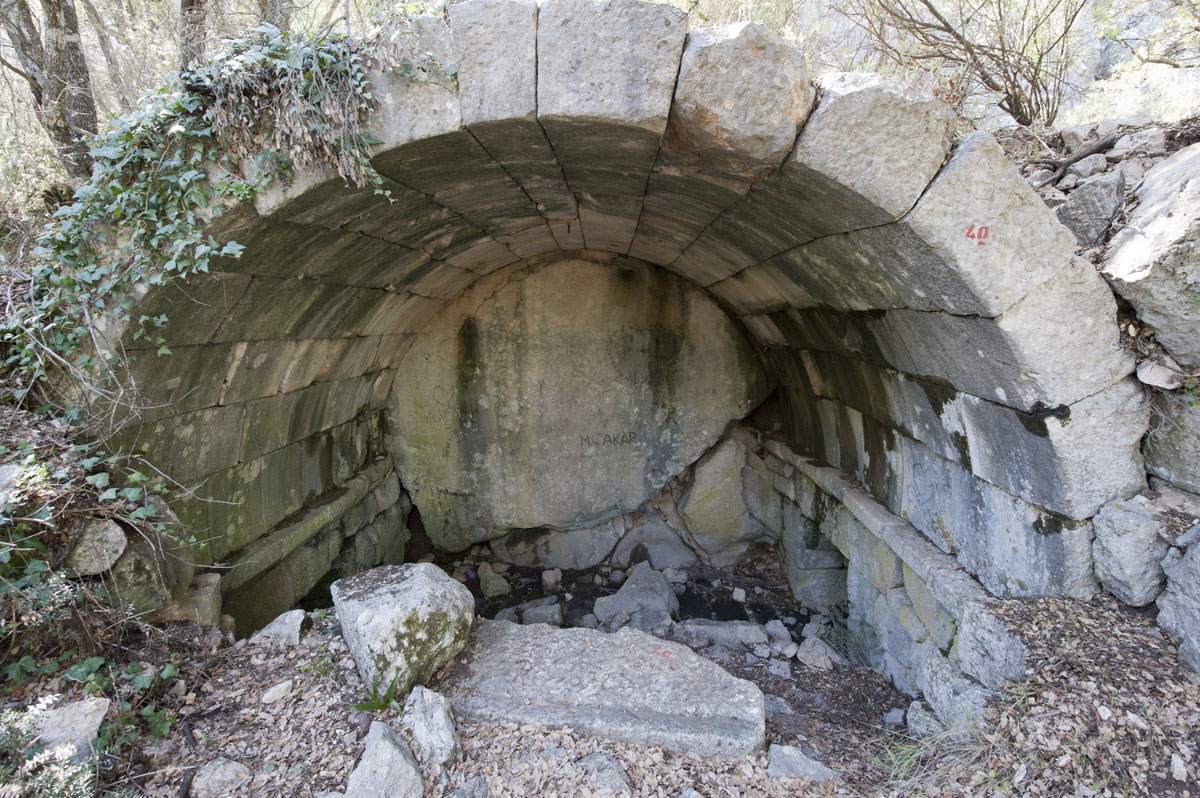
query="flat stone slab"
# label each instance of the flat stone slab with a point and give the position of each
(627, 686)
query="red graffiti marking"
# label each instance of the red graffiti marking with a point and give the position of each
(978, 234)
(662, 652)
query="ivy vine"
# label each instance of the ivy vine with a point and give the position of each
(161, 173)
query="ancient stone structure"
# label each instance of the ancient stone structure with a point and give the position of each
(605, 244)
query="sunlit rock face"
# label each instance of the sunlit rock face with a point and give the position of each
(561, 394)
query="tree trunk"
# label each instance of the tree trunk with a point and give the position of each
(276, 12)
(192, 44)
(56, 71)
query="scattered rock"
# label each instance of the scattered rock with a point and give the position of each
(429, 721)
(277, 692)
(815, 627)
(675, 576)
(403, 622)
(739, 595)
(1090, 208)
(606, 772)
(220, 778)
(283, 632)
(894, 717)
(1078, 136)
(644, 599)
(1152, 141)
(152, 573)
(387, 767)
(1165, 373)
(730, 634)
(789, 762)
(201, 604)
(1179, 604)
(493, 584)
(625, 686)
(1178, 768)
(1153, 259)
(1189, 655)
(780, 668)
(1091, 165)
(922, 722)
(777, 631)
(509, 614)
(101, 543)
(552, 580)
(550, 614)
(74, 725)
(1129, 550)
(816, 653)
(475, 788)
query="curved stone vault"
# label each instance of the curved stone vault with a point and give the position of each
(918, 311)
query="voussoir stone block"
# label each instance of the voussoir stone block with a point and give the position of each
(742, 94)
(872, 146)
(402, 622)
(608, 60)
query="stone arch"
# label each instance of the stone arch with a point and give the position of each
(931, 333)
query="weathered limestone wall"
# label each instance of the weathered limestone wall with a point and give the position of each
(911, 610)
(561, 394)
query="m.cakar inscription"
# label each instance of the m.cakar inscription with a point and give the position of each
(608, 439)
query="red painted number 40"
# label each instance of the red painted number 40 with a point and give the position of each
(978, 234)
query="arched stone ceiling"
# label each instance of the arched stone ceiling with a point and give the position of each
(923, 313)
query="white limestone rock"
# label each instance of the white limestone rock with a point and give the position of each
(986, 649)
(1090, 208)
(789, 762)
(283, 632)
(816, 653)
(220, 778)
(654, 540)
(1155, 259)
(714, 506)
(1129, 550)
(959, 702)
(605, 773)
(645, 599)
(1179, 603)
(402, 622)
(101, 543)
(387, 767)
(429, 721)
(74, 726)
(921, 721)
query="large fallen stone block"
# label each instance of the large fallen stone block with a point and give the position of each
(1155, 260)
(402, 622)
(626, 686)
(715, 507)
